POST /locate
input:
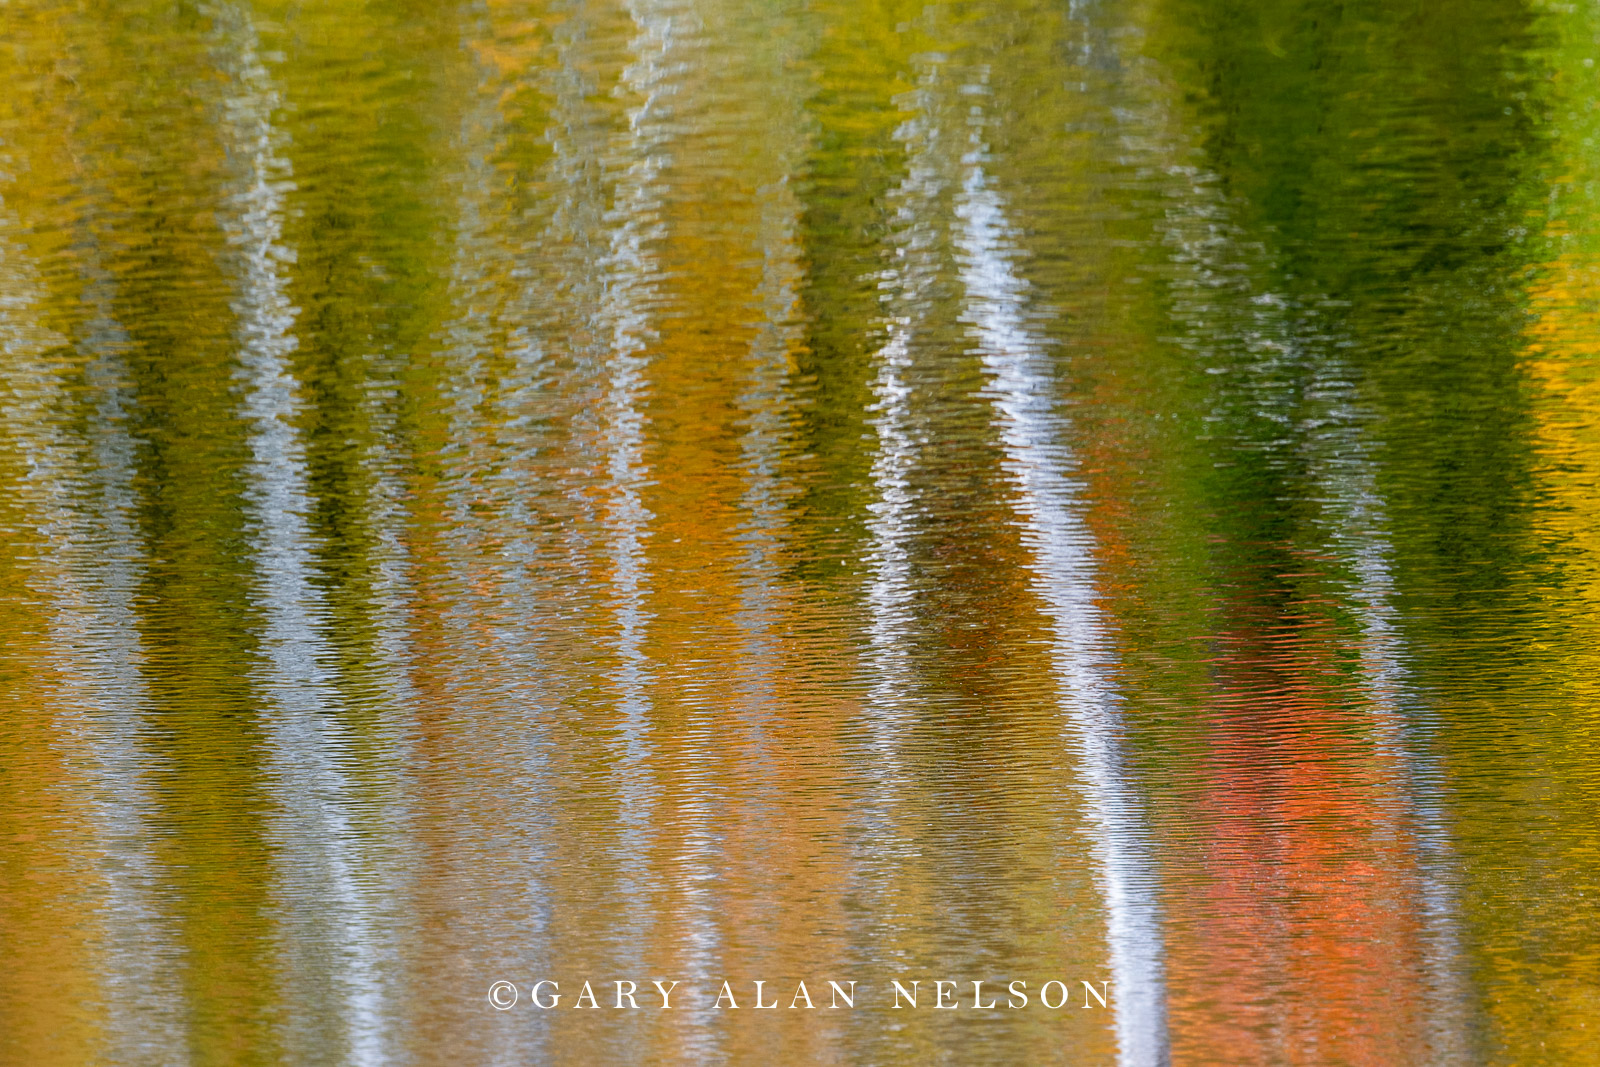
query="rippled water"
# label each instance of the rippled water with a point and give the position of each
(689, 491)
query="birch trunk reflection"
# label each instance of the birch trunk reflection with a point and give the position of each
(1038, 460)
(328, 894)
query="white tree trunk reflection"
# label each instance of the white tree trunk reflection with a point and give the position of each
(1034, 434)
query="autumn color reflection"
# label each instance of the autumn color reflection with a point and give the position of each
(675, 490)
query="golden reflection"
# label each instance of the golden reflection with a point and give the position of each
(672, 490)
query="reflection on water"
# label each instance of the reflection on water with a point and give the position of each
(1064, 550)
(675, 491)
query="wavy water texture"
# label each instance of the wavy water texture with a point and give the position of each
(1050, 501)
(1094, 496)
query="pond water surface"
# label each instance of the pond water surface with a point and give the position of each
(799, 491)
